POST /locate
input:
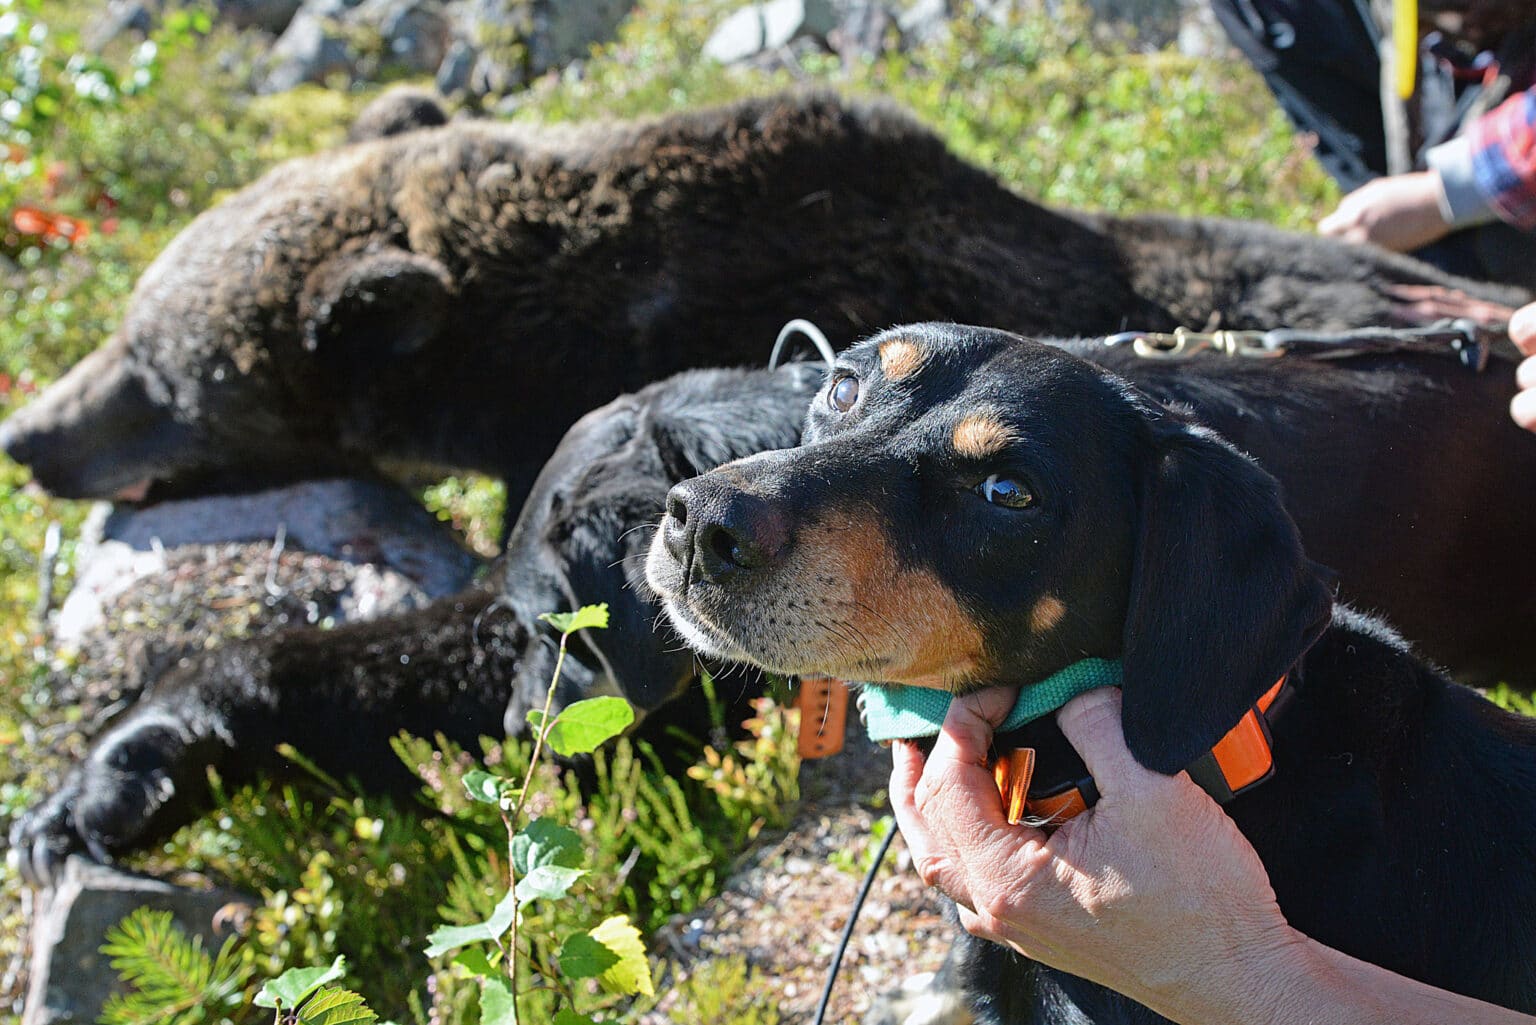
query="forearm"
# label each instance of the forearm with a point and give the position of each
(1302, 981)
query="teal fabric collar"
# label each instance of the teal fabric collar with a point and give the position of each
(894, 712)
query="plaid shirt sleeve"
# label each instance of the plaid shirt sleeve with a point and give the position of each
(1504, 159)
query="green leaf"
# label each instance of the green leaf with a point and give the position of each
(289, 989)
(583, 726)
(595, 616)
(547, 857)
(550, 882)
(476, 962)
(566, 1016)
(582, 957)
(613, 953)
(485, 787)
(498, 1004)
(452, 937)
(537, 719)
(632, 973)
(171, 978)
(336, 1007)
(545, 842)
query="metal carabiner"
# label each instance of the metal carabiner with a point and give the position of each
(1183, 343)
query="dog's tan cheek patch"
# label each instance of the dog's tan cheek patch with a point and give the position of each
(945, 643)
(1048, 611)
(908, 617)
(900, 358)
(981, 436)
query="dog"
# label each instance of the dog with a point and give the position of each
(467, 666)
(968, 508)
(1431, 484)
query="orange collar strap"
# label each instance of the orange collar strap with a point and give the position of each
(1240, 761)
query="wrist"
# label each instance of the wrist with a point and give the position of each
(1278, 980)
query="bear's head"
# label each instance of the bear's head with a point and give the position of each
(241, 342)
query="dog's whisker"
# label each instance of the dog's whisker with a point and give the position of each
(639, 527)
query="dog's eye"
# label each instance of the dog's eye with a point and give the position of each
(844, 394)
(1006, 492)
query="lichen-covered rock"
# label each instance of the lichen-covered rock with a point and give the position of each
(157, 584)
(71, 978)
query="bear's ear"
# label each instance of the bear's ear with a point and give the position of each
(1222, 602)
(385, 301)
(396, 111)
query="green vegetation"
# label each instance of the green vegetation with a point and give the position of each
(104, 159)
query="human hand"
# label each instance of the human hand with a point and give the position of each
(1153, 892)
(1419, 305)
(1522, 331)
(1400, 212)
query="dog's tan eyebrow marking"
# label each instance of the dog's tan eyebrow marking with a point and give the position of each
(900, 357)
(1048, 611)
(981, 435)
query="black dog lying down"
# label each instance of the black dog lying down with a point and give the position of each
(339, 695)
(1404, 473)
(969, 507)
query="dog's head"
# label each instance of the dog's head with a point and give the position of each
(583, 533)
(970, 508)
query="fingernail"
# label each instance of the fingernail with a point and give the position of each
(1523, 409)
(1525, 373)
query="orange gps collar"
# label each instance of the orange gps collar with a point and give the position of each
(1240, 761)
(1062, 789)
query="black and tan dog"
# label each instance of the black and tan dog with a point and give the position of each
(969, 508)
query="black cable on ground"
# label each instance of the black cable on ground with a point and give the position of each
(853, 917)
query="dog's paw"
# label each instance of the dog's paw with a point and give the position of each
(45, 836)
(104, 806)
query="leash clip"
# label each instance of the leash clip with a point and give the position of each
(1476, 342)
(1184, 344)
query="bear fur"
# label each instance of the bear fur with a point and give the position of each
(457, 296)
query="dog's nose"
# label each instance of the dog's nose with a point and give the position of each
(716, 529)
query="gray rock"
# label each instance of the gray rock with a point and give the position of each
(414, 34)
(924, 21)
(453, 74)
(270, 16)
(394, 552)
(313, 47)
(862, 30)
(564, 30)
(71, 979)
(121, 17)
(768, 26)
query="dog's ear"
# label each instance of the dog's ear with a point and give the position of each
(1222, 599)
(684, 448)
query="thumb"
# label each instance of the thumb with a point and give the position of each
(966, 735)
(1091, 723)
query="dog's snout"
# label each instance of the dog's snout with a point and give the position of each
(716, 529)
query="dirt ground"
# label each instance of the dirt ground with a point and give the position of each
(784, 910)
